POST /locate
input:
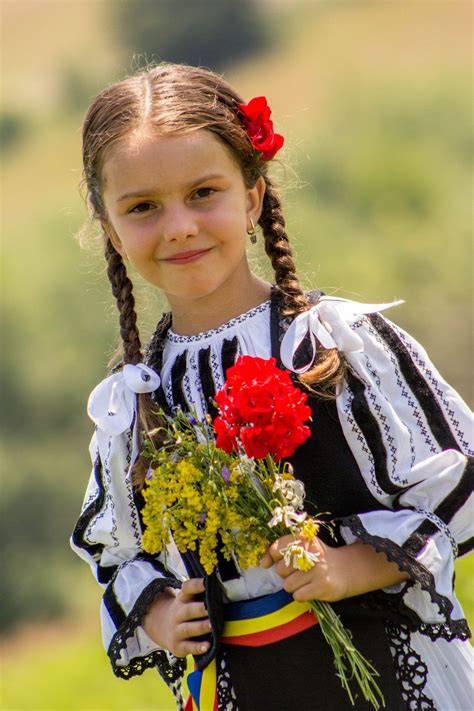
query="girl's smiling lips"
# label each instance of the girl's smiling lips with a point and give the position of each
(186, 257)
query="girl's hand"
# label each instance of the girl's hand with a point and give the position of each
(338, 573)
(174, 618)
(327, 579)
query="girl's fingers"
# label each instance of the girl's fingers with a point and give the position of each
(194, 628)
(303, 594)
(296, 580)
(192, 611)
(190, 588)
(190, 647)
(272, 554)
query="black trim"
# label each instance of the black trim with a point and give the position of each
(229, 354)
(398, 555)
(417, 384)
(178, 372)
(114, 608)
(207, 380)
(104, 573)
(169, 672)
(419, 538)
(93, 549)
(448, 508)
(370, 428)
(465, 546)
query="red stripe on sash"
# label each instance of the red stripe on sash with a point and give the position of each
(275, 634)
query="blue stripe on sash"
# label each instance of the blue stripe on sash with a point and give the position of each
(257, 607)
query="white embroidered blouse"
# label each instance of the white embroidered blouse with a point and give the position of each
(414, 457)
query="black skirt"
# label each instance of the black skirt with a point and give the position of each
(298, 673)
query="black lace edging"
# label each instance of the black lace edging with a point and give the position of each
(170, 672)
(451, 629)
(410, 669)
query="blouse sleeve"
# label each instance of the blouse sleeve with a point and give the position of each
(409, 432)
(108, 537)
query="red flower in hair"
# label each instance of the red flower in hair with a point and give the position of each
(260, 409)
(256, 118)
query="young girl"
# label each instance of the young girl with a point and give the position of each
(176, 171)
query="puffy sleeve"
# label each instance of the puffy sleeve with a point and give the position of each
(411, 435)
(108, 537)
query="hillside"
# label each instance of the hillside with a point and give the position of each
(373, 99)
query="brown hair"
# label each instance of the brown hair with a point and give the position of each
(175, 99)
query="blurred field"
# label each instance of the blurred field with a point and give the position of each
(373, 98)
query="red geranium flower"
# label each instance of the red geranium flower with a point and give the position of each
(260, 409)
(256, 119)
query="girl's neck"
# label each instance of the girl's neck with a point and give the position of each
(197, 315)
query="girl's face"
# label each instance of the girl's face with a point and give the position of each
(178, 210)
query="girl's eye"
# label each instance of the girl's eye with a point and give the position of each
(204, 192)
(142, 207)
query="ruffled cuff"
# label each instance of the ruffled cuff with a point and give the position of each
(422, 549)
(128, 650)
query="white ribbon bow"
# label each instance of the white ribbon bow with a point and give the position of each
(112, 404)
(328, 322)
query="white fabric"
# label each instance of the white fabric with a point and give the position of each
(450, 672)
(415, 458)
(328, 322)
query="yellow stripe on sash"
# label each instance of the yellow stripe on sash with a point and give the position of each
(236, 628)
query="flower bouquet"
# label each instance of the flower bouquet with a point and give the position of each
(224, 488)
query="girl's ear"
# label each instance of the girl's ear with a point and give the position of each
(111, 234)
(255, 200)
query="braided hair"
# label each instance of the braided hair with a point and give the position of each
(176, 99)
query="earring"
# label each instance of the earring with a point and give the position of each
(251, 233)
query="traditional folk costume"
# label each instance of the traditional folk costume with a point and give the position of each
(389, 458)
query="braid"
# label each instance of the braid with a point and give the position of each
(150, 419)
(122, 289)
(278, 248)
(328, 370)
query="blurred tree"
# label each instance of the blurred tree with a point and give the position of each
(13, 128)
(210, 33)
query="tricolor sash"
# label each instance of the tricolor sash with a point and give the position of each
(251, 623)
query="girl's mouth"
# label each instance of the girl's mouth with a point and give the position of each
(187, 257)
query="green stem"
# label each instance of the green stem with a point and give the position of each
(349, 663)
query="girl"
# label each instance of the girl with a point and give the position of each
(176, 170)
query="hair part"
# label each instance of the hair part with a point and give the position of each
(176, 99)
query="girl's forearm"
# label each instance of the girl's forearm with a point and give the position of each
(367, 570)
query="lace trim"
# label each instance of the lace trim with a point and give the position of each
(409, 565)
(410, 669)
(173, 337)
(455, 629)
(170, 668)
(226, 699)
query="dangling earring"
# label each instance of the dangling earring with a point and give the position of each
(251, 233)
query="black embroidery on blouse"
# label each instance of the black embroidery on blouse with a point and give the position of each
(405, 563)
(418, 385)
(370, 428)
(229, 352)
(178, 372)
(411, 671)
(207, 380)
(104, 573)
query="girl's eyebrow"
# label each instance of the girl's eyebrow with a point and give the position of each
(154, 191)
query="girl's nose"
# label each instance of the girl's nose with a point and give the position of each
(178, 224)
